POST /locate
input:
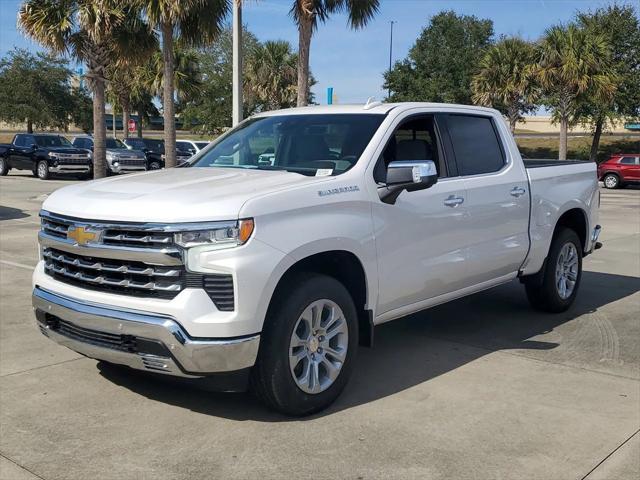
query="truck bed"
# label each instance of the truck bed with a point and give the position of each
(547, 162)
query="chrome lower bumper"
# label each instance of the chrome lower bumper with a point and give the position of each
(127, 169)
(70, 169)
(140, 340)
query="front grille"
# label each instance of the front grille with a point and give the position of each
(132, 162)
(115, 276)
(136, 238)
(72, 160)
(54, 227)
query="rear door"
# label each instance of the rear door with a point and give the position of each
(497, 197)
(628, 168)
(22, 152)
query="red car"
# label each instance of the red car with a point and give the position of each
(620, 170)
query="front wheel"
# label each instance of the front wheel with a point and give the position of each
(561, 277)
(154, 165)
(308, 346)
(4, 168)
(611, 181)
(42, 170)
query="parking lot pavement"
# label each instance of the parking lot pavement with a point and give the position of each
(479, 388)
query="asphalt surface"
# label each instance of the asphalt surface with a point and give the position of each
(481, 388)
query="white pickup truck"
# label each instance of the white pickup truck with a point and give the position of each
(273, 267)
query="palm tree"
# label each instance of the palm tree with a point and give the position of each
(194, 22)
(505, 79)
(93, 32)
(272, 75)
(573, 63)
(307, 14)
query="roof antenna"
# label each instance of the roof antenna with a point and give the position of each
(371, 102)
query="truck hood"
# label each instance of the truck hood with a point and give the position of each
(172, 195)
(66, 150)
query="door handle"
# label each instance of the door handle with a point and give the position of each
(453, 201)
(517, 192)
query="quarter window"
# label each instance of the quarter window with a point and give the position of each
(475, 144)
(628, 160)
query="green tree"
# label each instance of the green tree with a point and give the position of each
(35, 89)
(619, 24)
(308, 13)
(441, 64)
(194, 22)
(95, 32)
(272, 75)
(505, 79)
(574, 64)
(210, 111)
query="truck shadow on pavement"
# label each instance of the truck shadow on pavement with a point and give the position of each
(10, 213)
(409, 351)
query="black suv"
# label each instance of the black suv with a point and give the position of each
(44, 154)
(154, 150)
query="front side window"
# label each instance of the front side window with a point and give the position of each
(52, 141)
(414, 139)
(475, 144)
(201, 145)
(19, 141)
(318, 144)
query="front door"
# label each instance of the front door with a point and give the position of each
(421, 239)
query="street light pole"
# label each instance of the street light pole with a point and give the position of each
(237, 63)
(390, 53)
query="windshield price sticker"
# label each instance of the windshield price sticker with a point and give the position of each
(324, 172)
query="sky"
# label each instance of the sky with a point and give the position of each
(352, 62)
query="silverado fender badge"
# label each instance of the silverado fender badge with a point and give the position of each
(335, 191)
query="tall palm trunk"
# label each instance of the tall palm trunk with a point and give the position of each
(99, 129)
(564, 128)
(304, 46)
(167, 96)
(125, 120)
(595, 143)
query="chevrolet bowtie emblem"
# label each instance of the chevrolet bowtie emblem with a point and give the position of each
(81, 235)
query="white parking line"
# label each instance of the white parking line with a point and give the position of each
(19, 265)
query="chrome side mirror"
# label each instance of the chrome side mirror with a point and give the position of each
(409, 175)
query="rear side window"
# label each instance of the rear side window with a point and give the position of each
(628, 160)
(475, 144)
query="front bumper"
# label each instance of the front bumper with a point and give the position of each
(140, 340)
(70, 169)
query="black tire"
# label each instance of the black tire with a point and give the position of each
(42, 170)
(271, 378)
(154, 165)
(543, 294)
(4, 168)
(611, 181)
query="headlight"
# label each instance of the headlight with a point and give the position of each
(53, 154)
(227, 235)
(110, 156)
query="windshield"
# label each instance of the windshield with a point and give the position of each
(114, 143)
(322, 144)
(156, 145)
(52, 141)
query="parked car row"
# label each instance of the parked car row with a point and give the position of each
(47, 154)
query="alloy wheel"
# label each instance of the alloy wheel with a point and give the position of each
(567, 270)
(318, 346)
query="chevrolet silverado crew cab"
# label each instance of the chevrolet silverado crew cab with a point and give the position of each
(120, 159)
(275, 270)
(44, 154)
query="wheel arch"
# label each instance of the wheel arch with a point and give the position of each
(577, 220)
(346, 267)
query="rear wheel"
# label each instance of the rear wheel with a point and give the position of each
(4, 168)
(611, 181)
(561, 277)
(42, 170)
(308, 346)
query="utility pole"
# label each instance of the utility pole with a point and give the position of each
(390, 53)
(237, 62)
